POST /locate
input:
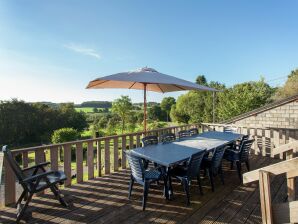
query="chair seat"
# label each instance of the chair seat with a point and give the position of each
(54, 178)
(152, 174)
(179, 172)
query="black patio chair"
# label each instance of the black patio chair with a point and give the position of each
(213, 165)
(239, 142)
(37, 181)
(168, 137)
(193, 131)
(183, 134)
(240, 156)
(142, 176)
(188, 173)
(150, 140)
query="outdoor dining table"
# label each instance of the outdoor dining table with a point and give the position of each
(170, 154)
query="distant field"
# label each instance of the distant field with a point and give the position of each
(85, 109)
(90, 109)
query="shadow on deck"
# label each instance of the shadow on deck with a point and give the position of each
(104, 200)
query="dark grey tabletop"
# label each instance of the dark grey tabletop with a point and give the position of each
(180, 150)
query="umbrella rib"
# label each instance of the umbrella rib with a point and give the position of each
(160, 88)
(97, 83)
(132, 85)
(179, 87)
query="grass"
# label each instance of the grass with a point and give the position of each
(85, 109)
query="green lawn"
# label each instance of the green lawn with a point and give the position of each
(85, 109)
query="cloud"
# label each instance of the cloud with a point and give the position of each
(83, 50)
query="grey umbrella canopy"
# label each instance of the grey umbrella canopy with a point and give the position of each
(145, 79)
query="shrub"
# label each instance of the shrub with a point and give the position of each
(65, 135)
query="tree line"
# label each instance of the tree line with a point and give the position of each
(28, 124)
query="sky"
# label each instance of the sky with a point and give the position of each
(50, 50)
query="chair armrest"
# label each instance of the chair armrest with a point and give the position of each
(37, 176)
(37, 166)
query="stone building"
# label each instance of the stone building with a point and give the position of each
(280, 114)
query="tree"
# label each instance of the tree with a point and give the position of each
(242, 98)
(122, 107)
(201, 80)
(166, 105)
(178, 116)
(64, 135)
(290, 88)
(155, 113)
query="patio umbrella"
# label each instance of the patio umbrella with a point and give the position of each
(146, 79)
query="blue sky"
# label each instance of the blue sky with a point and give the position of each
(50, 50)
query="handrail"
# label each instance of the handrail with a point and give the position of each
(275, 169)
(289, 147)
(283, 212)
(46, 146)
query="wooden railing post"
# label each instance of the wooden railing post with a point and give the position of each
(79, 162)
(25, 159)
(98, 159)
(54, 158)
(291, 180)
(116, 163)
(265, 197)
(10, 184)
(123, 160)
(90, 160)
(67, 164)
(107, 156)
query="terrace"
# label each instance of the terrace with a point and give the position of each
(100, 195)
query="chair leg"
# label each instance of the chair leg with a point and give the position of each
(221, 174)
(166, 187)
(21, 198)
(57, 194)
(238, 163)
(130, 186)
(22, 210)
(211, 179)
(171, 187)
(247, 165)
(200, 185)
(145, 194)
(185, 184)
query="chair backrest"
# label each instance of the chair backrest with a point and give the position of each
(245, 149)
(193, 131)
(194, 164)
(13, 164)
(230, 129)
(217, 156)
(136, 166)
(150, 140)
(169, 137)
(183, 134)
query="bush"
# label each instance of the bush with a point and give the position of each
(65, 135)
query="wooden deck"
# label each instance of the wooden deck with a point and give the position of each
(104, 200)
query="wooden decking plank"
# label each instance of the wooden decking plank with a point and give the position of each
(247, 192)
(248, 205)
(202, 212)
(230, 203)
(255, 216)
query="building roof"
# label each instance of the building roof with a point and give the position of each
(262, 109)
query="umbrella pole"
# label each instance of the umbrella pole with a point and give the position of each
(145, 108)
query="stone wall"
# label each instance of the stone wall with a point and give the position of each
(285, 116)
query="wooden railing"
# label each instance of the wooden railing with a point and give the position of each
(106, 154)
(266, 139)
(102, 154)
(283, 212)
